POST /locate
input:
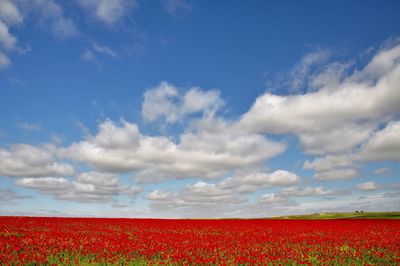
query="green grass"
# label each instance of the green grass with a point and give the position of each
(344, 215)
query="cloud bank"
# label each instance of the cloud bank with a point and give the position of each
(342, 123)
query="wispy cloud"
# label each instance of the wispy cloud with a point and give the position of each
(108, 12)
(29, 126)
(95, 51)
(381, 171)
(50, 16)
(177, 7)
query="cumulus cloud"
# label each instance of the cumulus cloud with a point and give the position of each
(276, 200)
(258, 180)
(330, 162)
(45, 184)
(223, 199)
(309, 191)
(30, 161)
(10, 16)
(346, 123)
(286, 197)
(86, 188)
(337, 174)
(357, 104)
(108, 11)
(327, 141)
(9, 12)
(198, 200)
(206, 200)
(384, 144)
(367, 186)
(197, 153)
(165, 101)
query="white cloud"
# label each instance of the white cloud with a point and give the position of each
(124, 149)
(349, 122)
(330, 162)
(286, 197)
(198, 200)
(158, 195)
(258, 180)
(367, 186)
(337, 174)
(277, 200)
(222, 199)
(46, 184)
(30, 161)
(357, 104)
(88, 187)
(324, 142)
(9, 17)
(229, 204)
(108, 11)
(301, 72)
(9, 12)
(159, 102)
(102, 49)
(309, 191)
(330, 76)
(165, 101)
(384, 144)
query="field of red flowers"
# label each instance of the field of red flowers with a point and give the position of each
(27, 240)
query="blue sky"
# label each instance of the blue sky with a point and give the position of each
(178, 108)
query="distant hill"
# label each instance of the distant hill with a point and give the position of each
(344, 215)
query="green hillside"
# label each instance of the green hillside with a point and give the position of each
(345, 215)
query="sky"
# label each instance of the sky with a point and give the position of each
(183, 108)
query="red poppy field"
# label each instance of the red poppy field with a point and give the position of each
(26, 240)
